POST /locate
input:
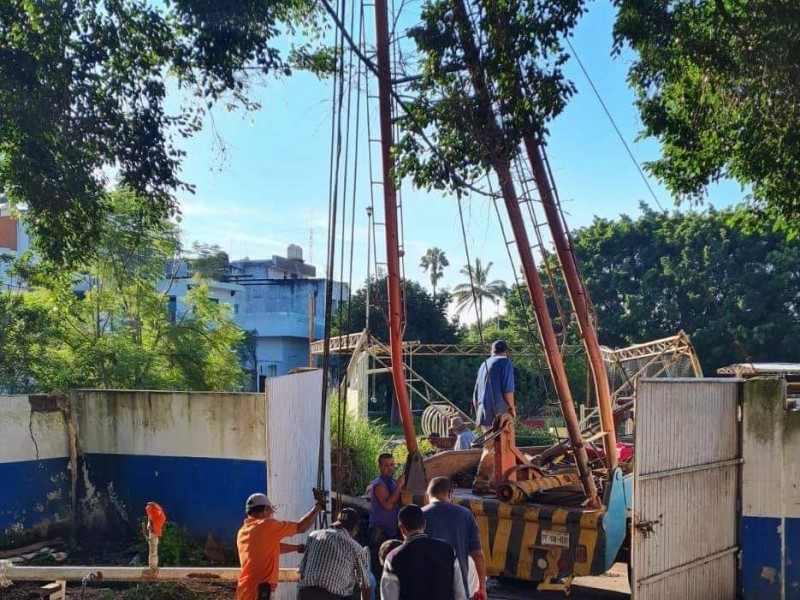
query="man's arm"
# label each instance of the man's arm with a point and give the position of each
(508, 387)
(480, 567)
(512, 405)
(386, 499)
(459, 592)
(287, 548)
(308, 519)
(362, 571)
(390, 586)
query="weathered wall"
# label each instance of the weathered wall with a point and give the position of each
(198, 454)
(770, 494)
(34, 469)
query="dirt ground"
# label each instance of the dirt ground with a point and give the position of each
(146, 591)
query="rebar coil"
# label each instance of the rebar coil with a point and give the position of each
(517, 492)
(436, 420)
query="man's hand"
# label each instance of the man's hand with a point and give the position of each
(480, 594)
(320, 499)
(512, 410)
(401, 482)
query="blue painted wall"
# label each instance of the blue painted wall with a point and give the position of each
(33, 495)
(761, 557)
(207, 495)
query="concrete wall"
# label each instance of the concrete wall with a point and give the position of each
(197, 454)
(34, 470)
(770, 494)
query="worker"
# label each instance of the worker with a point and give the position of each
(422, 567)
(334, 563)
(259, 544)
(384, 495)
(493, 396)
(457, 526)
(464, 436)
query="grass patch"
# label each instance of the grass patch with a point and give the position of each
(176, 547)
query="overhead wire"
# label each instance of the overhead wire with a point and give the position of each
(614, 124)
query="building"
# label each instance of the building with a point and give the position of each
(14, 240)
(279, 301)
(283, 304)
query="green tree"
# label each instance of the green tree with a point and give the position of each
(479, 288)
(718, 85)
(434, 261)
(209, 261)
(83, 88)
(653, 276)
(489, 75)
(109, 322)
(25, 331)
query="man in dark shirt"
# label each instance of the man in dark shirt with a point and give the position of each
(493, 396)
(423, 567)
(455, 525)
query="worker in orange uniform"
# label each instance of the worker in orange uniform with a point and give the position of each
(260, 547)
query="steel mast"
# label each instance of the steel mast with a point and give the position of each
(415, 473)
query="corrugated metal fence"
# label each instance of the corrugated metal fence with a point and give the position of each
(686, 488)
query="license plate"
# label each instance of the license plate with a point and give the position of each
(555, 538)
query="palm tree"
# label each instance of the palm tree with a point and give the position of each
(483, 288)
(434, 262)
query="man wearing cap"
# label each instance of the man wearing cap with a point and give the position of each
(493, 396)
(334, 563)
(260, 547)
(464, 437)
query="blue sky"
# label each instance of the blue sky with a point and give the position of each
(269, 187)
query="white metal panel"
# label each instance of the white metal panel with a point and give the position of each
(293, 425)
(686, 486)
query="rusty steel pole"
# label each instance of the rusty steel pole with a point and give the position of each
(577, 297)
(390, 217)
(501, 166)
(549, 341)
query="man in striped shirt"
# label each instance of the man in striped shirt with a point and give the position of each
(334, 563)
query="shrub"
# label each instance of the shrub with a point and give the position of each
(363, 441)
(400, 451)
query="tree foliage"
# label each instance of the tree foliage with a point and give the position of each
(108, 324)
(478, 288)
(718, 84)
(490, 74)
(434, 261)
(82, 98)
(736, 294)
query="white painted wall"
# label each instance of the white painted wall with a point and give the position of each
(186, 424)
(28, 436)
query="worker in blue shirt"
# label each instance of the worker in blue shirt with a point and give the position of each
(493, 396)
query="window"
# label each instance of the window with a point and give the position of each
(172, 309)
(236, 309)
(272, 370)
